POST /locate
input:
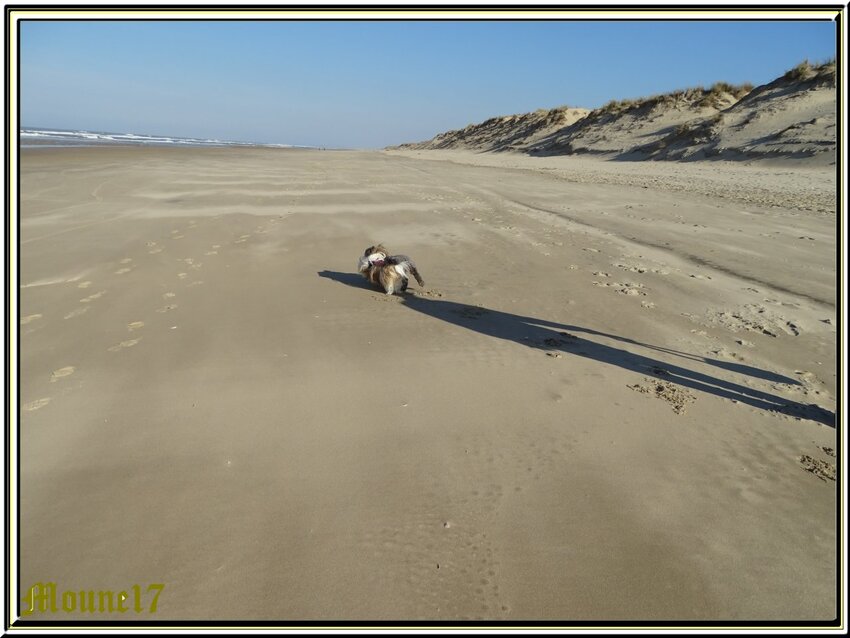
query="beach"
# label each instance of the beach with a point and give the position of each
(614, 398)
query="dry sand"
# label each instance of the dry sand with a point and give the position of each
(609, 402)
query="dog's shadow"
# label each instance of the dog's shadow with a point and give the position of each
(558, 338)
(347, 278)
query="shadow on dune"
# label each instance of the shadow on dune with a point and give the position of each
(555, 337)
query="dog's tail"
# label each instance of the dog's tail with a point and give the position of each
(406, 267)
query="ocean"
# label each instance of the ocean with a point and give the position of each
(42, 137)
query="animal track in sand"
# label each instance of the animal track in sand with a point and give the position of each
(35, 405)
(124, 344)
(135, 325)
(61, 372)
(726, 354)
(29, 318)
(471, 313)
(624, 288)
(676, 396)
(822, 469)
(641, 269)
(563, 339)
(754, 318)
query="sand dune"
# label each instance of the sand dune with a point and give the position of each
(792, 117)
(613, 400)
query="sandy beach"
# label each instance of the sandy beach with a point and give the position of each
(614, 398)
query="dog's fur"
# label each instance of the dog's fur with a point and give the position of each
(390, 272)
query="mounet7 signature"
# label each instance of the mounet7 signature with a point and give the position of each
(45, 598)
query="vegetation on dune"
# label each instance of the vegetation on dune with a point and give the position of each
(807, 71)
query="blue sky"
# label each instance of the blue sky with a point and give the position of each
(371, 84)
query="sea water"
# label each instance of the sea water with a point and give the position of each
(41, 137)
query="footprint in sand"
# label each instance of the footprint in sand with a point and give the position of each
(35, 405)
(135, 325)
(169, 295)
(153, 251)
(84, 284)
(124, 344)
(182, 275)
(28, 318)
(126, 260)
(167, 308)
(61, 372)
(216, 246)
(121, 271)
(76, 313)
(211, 252)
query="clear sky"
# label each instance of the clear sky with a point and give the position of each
(371, 84)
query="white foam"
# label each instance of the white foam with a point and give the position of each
(94, 137)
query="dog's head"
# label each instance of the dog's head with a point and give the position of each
(372, 256)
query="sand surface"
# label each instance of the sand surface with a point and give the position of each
(602, 405)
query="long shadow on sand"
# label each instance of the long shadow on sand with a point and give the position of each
(551, 336)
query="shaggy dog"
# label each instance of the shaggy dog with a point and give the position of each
(390, 272)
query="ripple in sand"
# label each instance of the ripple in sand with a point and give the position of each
(61, 372)
(35, 405)
(28, 318)
(96, 295)
(76, 313)
(124, 344)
